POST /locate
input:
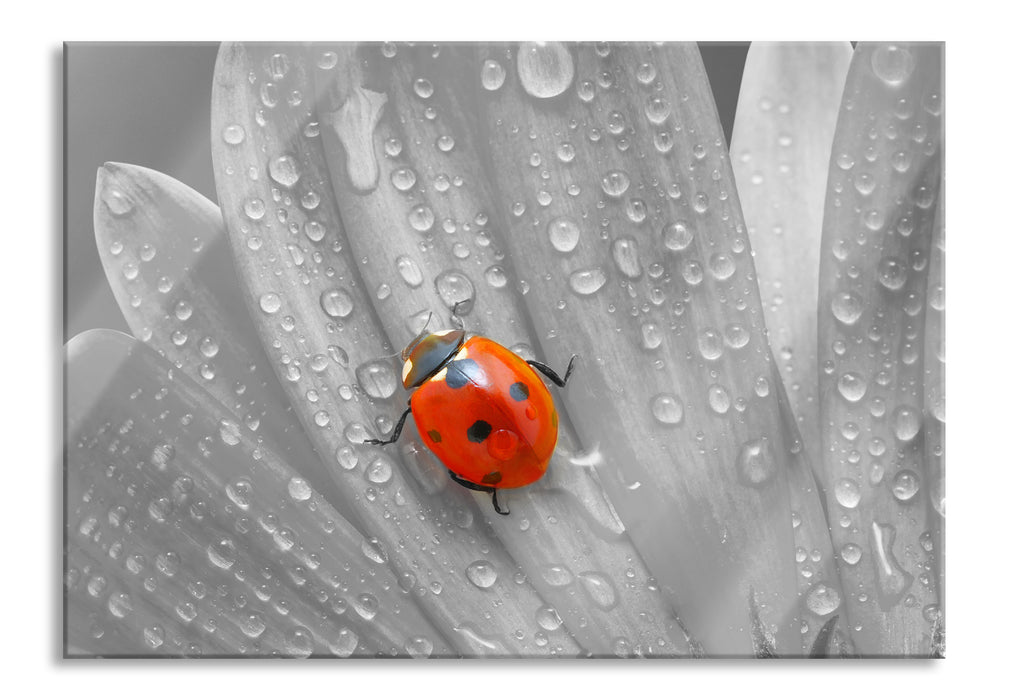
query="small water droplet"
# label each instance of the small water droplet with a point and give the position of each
(230, 431)
(667, 409)
(379, 471)
(615, 183)
(284, 170)
(421, 218)
(677, 236)
(233, 134)
(718, 399)
(299, 489)
(222, 553)
(847, 307)
(254, 208)
(852, 386)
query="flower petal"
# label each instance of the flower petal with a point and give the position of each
(632, 247)
(563, 532)
(292, 257)
(191, 538)
(878, 226)
(785, 118)
(168, 262)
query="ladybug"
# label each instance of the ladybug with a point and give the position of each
(481, 409)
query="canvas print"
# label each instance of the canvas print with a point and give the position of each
(507, 350)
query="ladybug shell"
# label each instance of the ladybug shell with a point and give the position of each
(487, 416)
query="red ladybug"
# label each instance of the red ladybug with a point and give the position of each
(481, 409)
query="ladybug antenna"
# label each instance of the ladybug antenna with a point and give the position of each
(420, 336)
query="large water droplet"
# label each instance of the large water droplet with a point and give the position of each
(892, 64)
(222, 553)
(548, 618)
(625, 256)
(677, 236)
(906, 484)
(615, 183)
(545, 69)
(892, 581)
(403, 179)
(852, 386)
(564, 234)
(337, 302)
(718, 399)
(284, 170)
(481, 574)
(231, 432)
(557, 575)
(892, 274)
(847, 307)
(847, 493)
(233, 134)
(667, 409)
(377, 379)
(355, 123)
(344, 644)
(587, 282)
(822, 599)
(599, 588)
(906, 422)
(492, 75)
(379, 471)
(453, 287)
(299, 489)
(421, 218)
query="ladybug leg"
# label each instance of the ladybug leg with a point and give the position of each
(396, 432)
(456, 318)
(480, 487)
(550, 374)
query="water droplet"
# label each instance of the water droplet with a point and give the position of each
(254, 208)
(755, 462)
(667, 409)
(565, 152)
(419, 647)
(636, 210)
(454, 287)
(492, 75)
(851, 553)
(481, 574)
(548, 618)
(718, 399)
(233, 134)
(423, 88)
(557, 575)
(564, 234)
(222, 553)
(710, 344)
(625, 256)
(847, 307)
(299, 489)
(410, 271)
(616, 123)
(677, 236)
(377, 379)
(587, 282)
(321, 418)
(599, 588)
(615, 183)
(852, 386)
(905, 485)
(284, 170)
(658, 109)
(403, 179)
(445, 143)
(865, 184)
(892, 582)
(231, 432)
(344, 644)
(906, 422)
(722, 266)
(892, 274)
(496, 276)
(545, 69)
(892, 64)
(421, 218)
(120, 605)
(847, 493)
(379, 471)
(337, 302)
(822, 599)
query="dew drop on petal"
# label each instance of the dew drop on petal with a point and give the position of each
(284, 170)
(588, 281)
(233, 134)
(822, 599)
(847, 307)
(299, 489)
(906, 484)
(337, 302)
(454, 287)
(667, 409)
(545, 69)
(847, 493)
(615, 183)
(852, 386)
(481, 574)
(892, 64)
(906, 422)
(755, 462)
(563, 233)
(677, 235)
(378, 379)
(492, 75)
(230, 431)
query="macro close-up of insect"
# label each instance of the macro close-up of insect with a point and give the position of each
(481, 409)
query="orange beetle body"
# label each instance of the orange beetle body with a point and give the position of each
(481, 409)
(487, 416)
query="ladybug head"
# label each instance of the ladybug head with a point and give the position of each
(427, 353)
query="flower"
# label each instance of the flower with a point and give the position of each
(221, 498)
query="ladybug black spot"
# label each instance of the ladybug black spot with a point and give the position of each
(519, 391)
(479, 431)
(461, 372)
(434, 435)
(492, 478)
